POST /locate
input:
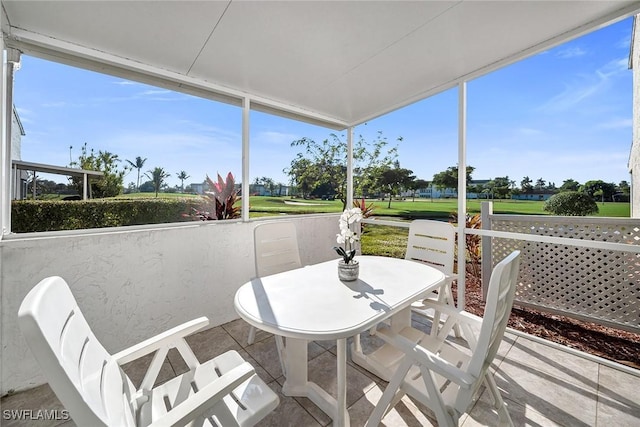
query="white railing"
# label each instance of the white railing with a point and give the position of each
(586, 268)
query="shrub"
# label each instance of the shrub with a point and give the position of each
(31, 216)
(571, 203)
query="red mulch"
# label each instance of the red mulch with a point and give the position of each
(614, 344)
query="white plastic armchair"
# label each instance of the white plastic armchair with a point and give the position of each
(224, 391)
(433, 243)
(441, 375)
(276, 250)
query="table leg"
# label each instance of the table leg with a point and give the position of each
(383, 361)
(297, 383)
(341, 361)
(401, 320)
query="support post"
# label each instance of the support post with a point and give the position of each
(349, 195)
(11, 60)
(486, 210)
(246, 109)
(85, 187)
(462, 190)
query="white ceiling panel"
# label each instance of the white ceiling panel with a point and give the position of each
(168, 34)
(338, 62)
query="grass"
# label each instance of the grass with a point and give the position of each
(406, 209)
(153, 196)
(420, 208)
(384, 240)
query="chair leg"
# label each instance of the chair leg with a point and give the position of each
(449, 300)
(282, 354)
(252, 335)
(387, 397)
(498, 402)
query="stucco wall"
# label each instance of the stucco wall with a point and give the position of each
(131, 284)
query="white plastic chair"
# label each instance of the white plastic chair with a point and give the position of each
(276, 250)
(433, 243)
(224, 391)
(441, 375)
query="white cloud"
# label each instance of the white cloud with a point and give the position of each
(275, 138)
(126, 83)
(57, 104)
(624, 42)
(524, 131)
(585, 87)
(616, 123)
(571, 52)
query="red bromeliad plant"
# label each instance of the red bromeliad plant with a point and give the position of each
(367, 210)
(220, 202)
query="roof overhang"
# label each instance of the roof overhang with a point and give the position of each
(58, 170)
(335, 64)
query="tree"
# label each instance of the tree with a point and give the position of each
(500, 186)
(449, 177)
(139, 163)
(624, 188)
(157, 177)
(394, 179)
(268, 184)
(525, 184)
(540, 183)
(569, 185)
(182, 175)
(607, 189)
(111, 182)
(571, 203)
(321, 169)
(416, 185)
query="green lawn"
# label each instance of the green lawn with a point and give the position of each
(408, 209)
(420, 208)
(153, 196)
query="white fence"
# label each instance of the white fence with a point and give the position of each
(565, 267)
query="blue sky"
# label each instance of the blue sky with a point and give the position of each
(564, 113)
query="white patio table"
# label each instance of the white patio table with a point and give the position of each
(311, 303)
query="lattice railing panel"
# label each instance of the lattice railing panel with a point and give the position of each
(592, 284)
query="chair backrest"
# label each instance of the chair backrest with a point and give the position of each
(276, 247)
(433, 243)
(84, 376)
(502, 289)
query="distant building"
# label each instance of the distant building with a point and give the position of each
(533, 196)
(199, 187)
(448, 193)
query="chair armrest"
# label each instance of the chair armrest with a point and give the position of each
(427, 358)
(461, 316)
(205, 398)
(161, 340)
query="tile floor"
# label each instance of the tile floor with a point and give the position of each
(542, 385)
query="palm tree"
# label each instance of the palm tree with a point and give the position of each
(182, 176)
(158, 175)
(138, 165)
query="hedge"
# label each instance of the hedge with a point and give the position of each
(41, 215)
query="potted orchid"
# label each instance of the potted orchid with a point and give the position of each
(348, 267)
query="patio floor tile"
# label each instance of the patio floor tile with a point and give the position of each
(618, 398)
(542, 385)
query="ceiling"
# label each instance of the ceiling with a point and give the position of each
(333, 63)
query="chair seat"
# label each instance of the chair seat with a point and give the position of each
(246, 405)
(414, 385)
(443, 374)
